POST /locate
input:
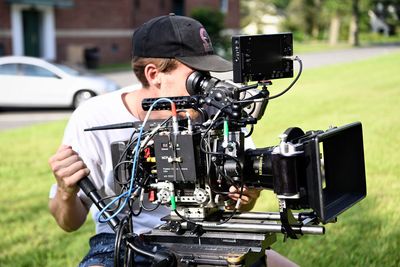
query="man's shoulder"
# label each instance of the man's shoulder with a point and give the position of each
(114, 96)
(102, 109)
(106, 102)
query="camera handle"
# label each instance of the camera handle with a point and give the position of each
(160, 259)
(88, 188)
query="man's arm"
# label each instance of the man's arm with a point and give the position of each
(66, 207)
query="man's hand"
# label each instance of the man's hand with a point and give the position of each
(68, 168)
(248, 198)
(66, 207)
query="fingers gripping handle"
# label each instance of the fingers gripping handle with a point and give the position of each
(87, 186)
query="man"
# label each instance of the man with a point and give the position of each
(166, 50)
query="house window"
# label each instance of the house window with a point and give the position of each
(137, 4)
(179, 7)
(224, 6)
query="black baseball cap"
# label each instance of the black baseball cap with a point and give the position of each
(179, 37)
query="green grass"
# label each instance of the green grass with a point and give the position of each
(375, 38)
(314, 46)
(29, 235)
(106, 68)
(366, 39)
(366, 235)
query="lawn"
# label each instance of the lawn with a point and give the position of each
(366, 235)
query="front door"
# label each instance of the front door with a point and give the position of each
(31, 26)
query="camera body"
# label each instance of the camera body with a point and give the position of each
(322, 171)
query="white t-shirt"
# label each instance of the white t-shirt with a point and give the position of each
(94, 148)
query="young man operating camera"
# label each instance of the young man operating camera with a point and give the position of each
(166, 50)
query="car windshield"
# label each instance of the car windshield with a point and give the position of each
(70, 70)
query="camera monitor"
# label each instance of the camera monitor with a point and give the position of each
(336, 171)
(262, 57)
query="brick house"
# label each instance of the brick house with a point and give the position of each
(61, 30)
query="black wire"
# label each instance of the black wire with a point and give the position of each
(119, 165)
(250, 132)
(132, 141)
(132, 212)
(235, 209)
(185, 219)
(293, 82)
(118, 241)
(149, 209)
(116, 205)
(284, 91)
(220, 192)
(203, 136)
(181, 171)
(143, 206)
(215, 153)
(122, 156)
(226, 177)
(253, 107)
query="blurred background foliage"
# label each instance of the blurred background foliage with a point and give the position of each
(330, 23)
(325, 20)
(213, 21)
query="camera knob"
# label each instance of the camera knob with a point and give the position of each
(218, 96)
(235, 106)
(283, 137)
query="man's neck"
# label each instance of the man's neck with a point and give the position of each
(133, 102)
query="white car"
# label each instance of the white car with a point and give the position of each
(34, 82)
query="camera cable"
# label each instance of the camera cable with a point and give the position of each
(281, 93)
(130, 190)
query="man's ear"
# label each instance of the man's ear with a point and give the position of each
(152, 75)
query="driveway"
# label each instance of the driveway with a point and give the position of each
(314, 60)
(13, 119)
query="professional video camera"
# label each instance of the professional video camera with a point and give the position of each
(189, 165)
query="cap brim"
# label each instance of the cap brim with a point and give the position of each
(207, 63)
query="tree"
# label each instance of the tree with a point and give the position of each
(213, 21)
(322, 19)
(354, 23)
(253, 12)
(335, 12)
(304, 16)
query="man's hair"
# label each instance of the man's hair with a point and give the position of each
(162, 64)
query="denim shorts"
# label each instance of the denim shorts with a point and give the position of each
(101, 252)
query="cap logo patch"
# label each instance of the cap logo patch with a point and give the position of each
(206, 40)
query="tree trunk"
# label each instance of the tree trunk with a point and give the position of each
(334, 29)
(316, 20)
(315, 31)
(355, 17)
